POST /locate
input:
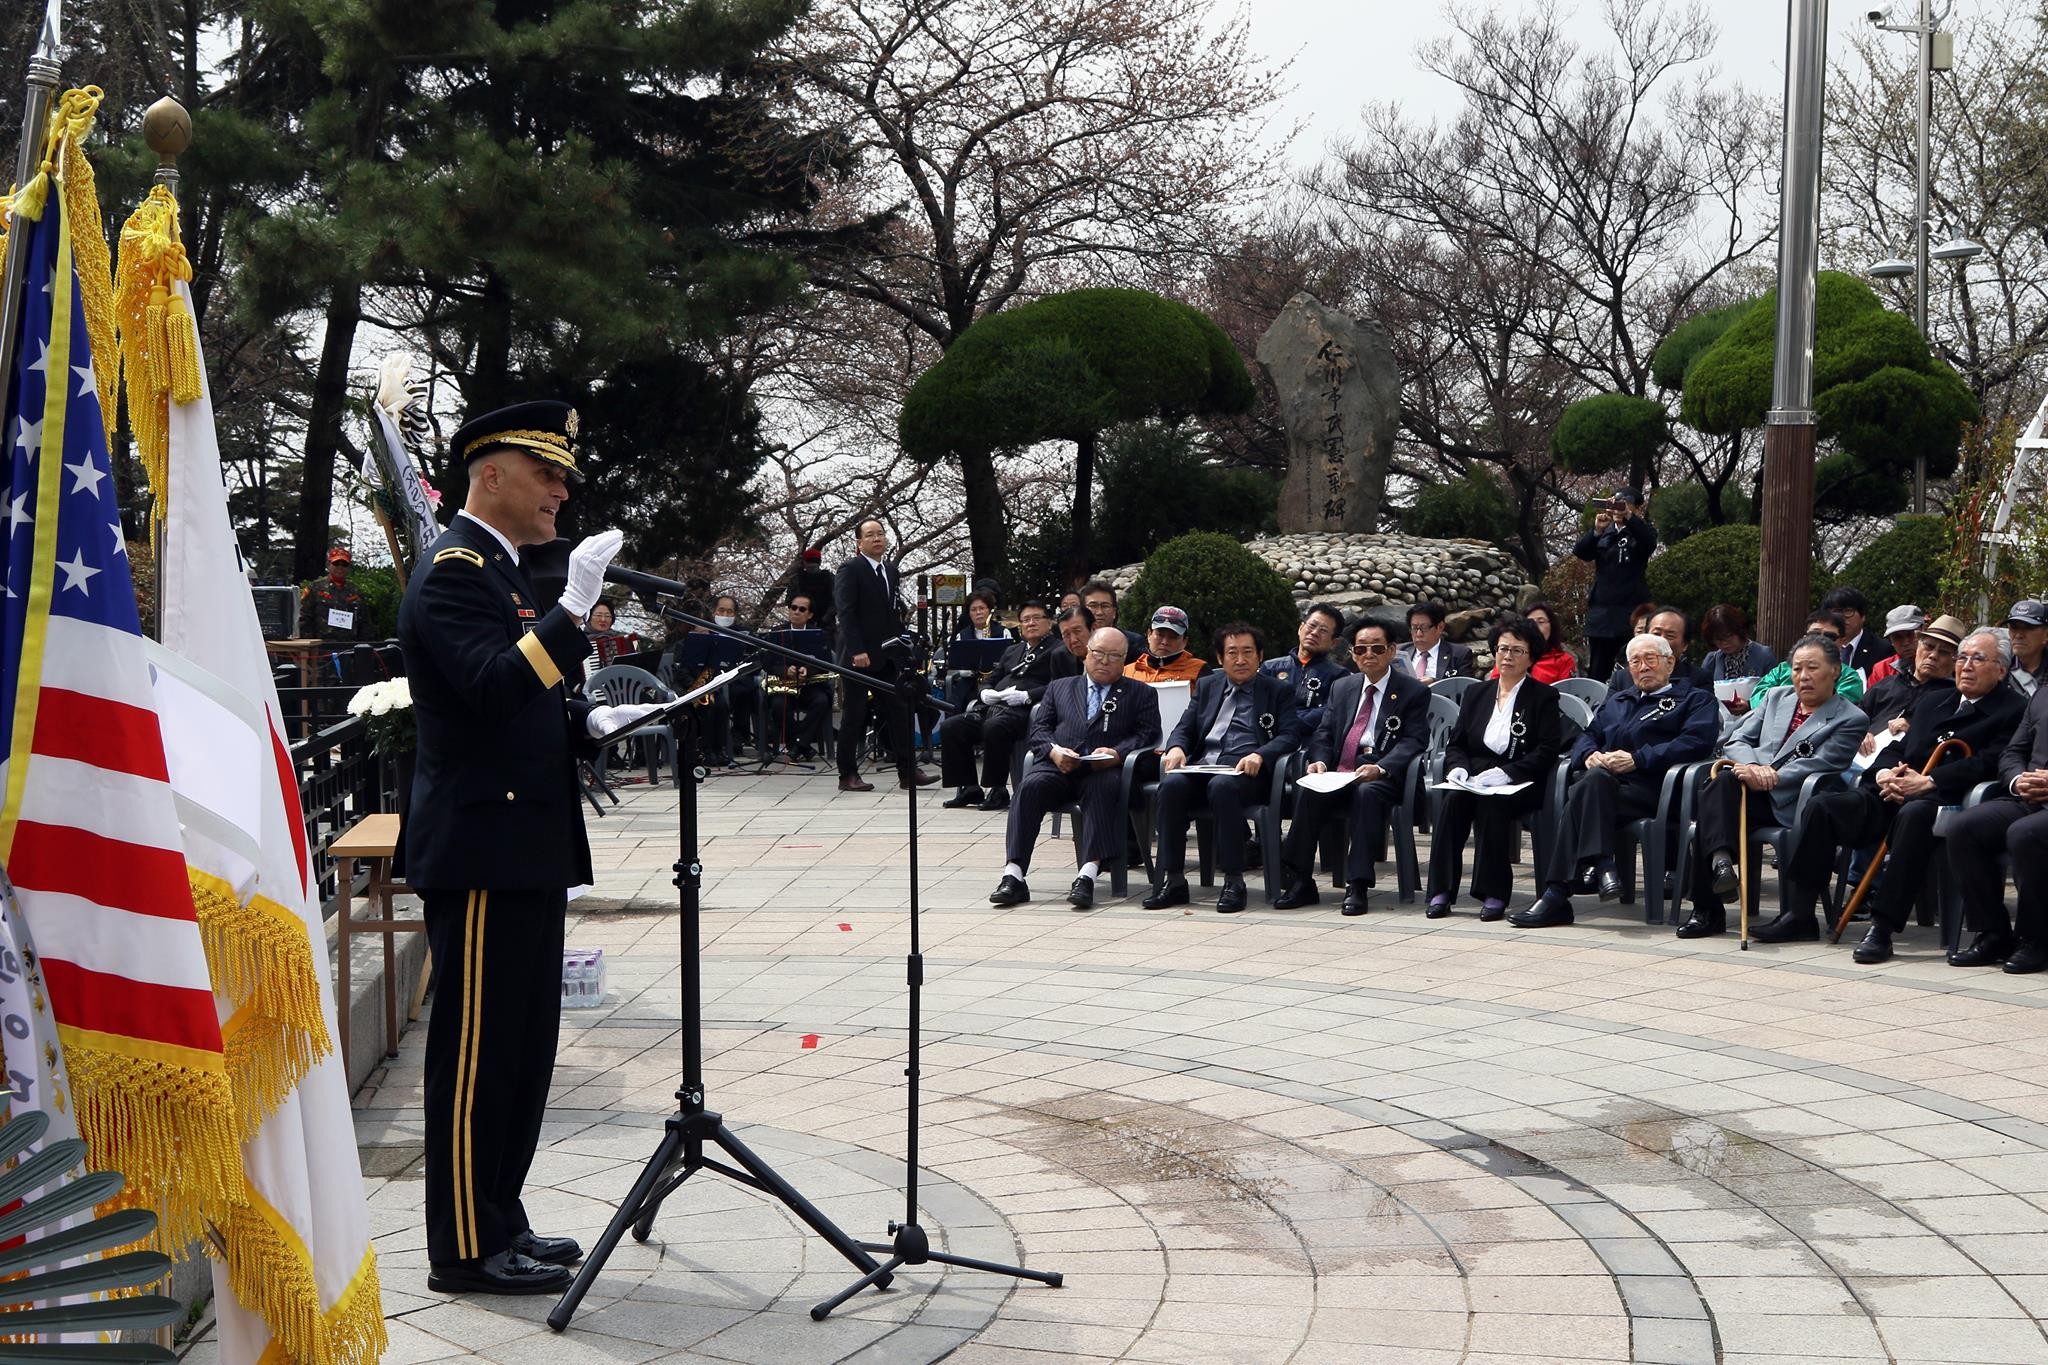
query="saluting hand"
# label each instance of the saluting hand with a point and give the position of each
(587, 563)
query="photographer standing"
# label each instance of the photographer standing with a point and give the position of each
(1619, 548)
(865, 593)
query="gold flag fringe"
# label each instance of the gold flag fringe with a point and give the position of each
(159, 343)
(271, 1274)
(261, 961)
(168, 1126)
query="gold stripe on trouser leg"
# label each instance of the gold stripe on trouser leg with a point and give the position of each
(476, 1033)
(458, 1171)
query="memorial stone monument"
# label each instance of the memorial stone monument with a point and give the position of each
(1340, 398)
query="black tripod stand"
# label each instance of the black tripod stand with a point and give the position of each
(681, 1153)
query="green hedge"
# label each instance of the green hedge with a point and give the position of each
(1902, 565)
(1719, 564)
(1214, 579)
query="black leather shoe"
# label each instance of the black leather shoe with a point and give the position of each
(1173, 891)
(1299, 892)
(1354, 897)
(1438, 910)
(1081, 895)
(916, 777)
(2030, 956)
(998, 799)
(1791, 926)
(1876, 945)
(1587, 883)
(507, 1272)
(550, 1250)
(1230, 899)
(854, 782)
(1726, 880)
(1609, 884)
(1009, 891)
(1700, 923)
(1985, 950)
(966, 796)
(1551, 911)
(1491, 911)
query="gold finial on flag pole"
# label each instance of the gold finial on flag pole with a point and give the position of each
(167, 128)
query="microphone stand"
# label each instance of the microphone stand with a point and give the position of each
(909, 1244)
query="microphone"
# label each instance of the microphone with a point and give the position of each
(645, 582)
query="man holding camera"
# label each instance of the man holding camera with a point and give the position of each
(864, 593)
(1618, 547)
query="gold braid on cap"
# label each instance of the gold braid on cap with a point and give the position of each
(545, 443)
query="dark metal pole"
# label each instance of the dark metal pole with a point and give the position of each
(43, 69)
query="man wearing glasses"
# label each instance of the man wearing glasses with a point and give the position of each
(1375, 724)
(1309, 669)
(1238, 717)
(2013, 822)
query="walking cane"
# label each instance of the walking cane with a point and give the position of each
(1719, 766)
(1877, 858)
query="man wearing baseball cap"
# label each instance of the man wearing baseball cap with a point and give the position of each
(1166, 658)
(2026, 626)
(1902, 632)
(332, 609)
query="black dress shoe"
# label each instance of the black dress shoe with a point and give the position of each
(916, 777)
(1587, 883)
(997, 799)
(854, 782)
(1550, 911)
(1726, 880)
(1985, 950)
(966, 796)
(1438, 910)
(1231, 898)
(2030, 956)
(1081, 895)
(1354, 897)
(508, 1272)
(1791, 926)
(551, 1250)
(1009, 891)
(1876, 945)
(1609, 884)
(1701, 923)
(1299, 892)
(1173, 891)
(1492, 911)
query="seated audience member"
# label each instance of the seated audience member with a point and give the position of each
(1070, 598)
(1168, 659)
(1237, 717)
(1639, 733)
(979, 621)
(1639, 622)
(1375, 724)
(1796, 731)
(1308, 668)
(1901, 631)
(2013, 822)
(1074, 625)
(1896, 802)
(1508, 733)
(1861, 649)
(1731, 653)
(800, 718)
(2026, 628)
(1100, 599)
(1669, 625)
(1001, 712)
(1554, 662)
(1427, 654)
(1098, 714)
(743, 693)
(1824, 622)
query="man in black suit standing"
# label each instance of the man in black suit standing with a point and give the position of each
(864, 594)
(1083, 730)
(1375, 724)
(1239, 717)
(999, 716)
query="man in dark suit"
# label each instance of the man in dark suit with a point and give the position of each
(1895, 802)
(1237, 716)
(1861, 649)
(1618, 767)
(1309, 667)
(1376, 724)
(864, 593)
(999, 716)
(494, 837)
(1428, 655)
(2015, 823)
(1081, 733)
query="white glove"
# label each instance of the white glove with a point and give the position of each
(1492, 777)
(605, 720)
(1456, 775)
(989, 696)
(586, 571)
(1016, 696)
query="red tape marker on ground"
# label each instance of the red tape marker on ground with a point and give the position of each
(810, 1040)
(846, 928)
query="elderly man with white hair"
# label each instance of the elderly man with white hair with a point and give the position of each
(1640, 733)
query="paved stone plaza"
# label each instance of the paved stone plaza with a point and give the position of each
(1285, 1137)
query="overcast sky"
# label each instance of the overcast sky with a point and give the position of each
(1347, 52)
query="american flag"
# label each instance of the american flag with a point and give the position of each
(88, 829)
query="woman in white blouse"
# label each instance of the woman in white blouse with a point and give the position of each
(1508, 733)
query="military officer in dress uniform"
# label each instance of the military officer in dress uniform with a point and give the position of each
(998, 717)
(494, 837)
(1617, 771)
(1309, 667)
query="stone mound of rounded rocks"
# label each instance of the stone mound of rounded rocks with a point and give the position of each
(1363, 573)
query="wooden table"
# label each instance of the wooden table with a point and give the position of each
(372, 840)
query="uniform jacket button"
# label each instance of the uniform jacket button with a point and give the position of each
(508, 796)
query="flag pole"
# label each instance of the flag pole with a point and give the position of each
(167, 129)
(43, 70)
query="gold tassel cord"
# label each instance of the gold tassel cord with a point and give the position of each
(261, 961)
(73, 123)
(159, 343)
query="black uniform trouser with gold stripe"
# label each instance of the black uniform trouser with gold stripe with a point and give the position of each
(490, 1056)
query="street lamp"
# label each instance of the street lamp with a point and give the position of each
(1937, 53)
